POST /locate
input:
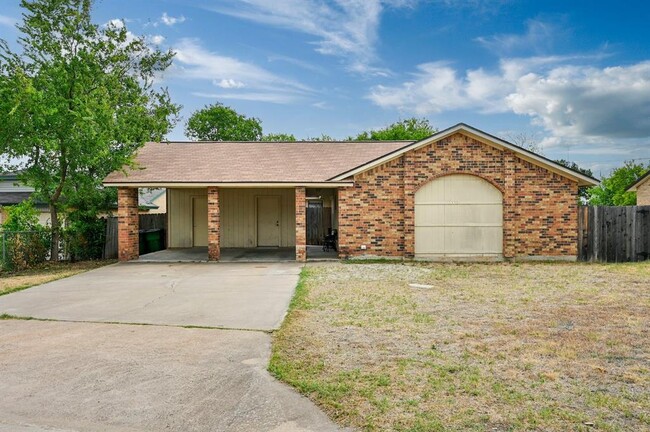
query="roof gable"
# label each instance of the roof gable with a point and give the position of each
(483, 137)
(643, 179)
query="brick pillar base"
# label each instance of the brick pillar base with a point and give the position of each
(301, 225)
(128, 224)
(214, 224)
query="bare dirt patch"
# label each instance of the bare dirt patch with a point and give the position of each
(48, 272)
(473, 347)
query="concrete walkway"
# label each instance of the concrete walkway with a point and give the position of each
(60, 376)
(237, 296)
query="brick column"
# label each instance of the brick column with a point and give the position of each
(509, 204)
(214, 224)
(342, 217)
(301, 225)
(128, 224)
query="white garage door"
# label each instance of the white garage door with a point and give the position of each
(456, 216)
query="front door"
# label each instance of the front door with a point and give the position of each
(200, 221)
(268, 221)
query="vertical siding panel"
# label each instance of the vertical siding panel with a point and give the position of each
(180, 216)
(239, 218)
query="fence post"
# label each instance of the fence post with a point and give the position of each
(4, 247)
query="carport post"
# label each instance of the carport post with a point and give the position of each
(301, 224)
(128, 224)
(214, 224)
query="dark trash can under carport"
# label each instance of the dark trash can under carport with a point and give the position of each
(151, 240)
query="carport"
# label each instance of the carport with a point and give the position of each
(240, 201)
(235, 224)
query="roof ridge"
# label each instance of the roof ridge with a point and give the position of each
(284, 142)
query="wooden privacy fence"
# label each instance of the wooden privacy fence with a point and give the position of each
(147, 222)
(614, 234)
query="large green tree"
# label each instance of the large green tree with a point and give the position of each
(279, 137)
(218, 122)
(76, 101)
(413, 129)
(611, 191)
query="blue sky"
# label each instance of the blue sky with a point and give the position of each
(572, 75)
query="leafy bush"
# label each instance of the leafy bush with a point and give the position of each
(25, 242)
(84, 237)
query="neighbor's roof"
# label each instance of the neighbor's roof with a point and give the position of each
(248, 162)
(11, 198)
(645, 177)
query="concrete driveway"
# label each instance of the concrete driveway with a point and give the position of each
(100, 376)
(62, 376)
(252, 296)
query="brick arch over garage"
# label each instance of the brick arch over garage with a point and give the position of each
(437, 176)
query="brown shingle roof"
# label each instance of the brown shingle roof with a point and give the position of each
(264, 162)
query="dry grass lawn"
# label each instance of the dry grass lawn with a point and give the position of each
(489, 347)
(47, 272)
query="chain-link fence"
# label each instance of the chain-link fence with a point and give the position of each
(23, 249)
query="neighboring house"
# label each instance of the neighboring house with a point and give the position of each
(153, 201)
(460, 193)
(13, 192)
(642, 189)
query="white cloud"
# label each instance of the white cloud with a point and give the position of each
(192, 61)
(587, 101)
(229, 83)
(297, 62)
(270, 97)
(568, 100)
(539, 37)
(345, 29)
(156, 39)
(116, 22)
(170, 20)
(7, 21)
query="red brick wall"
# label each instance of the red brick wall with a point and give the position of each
(214, 224)
(540, 215)
(128, 224)
(301, 224)
(547, 213)
(372, 212)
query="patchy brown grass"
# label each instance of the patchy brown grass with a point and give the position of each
(47, 272)
(490, 347)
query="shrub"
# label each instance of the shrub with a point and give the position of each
(25, 242)
(84, 237)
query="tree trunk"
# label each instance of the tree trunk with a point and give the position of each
(56, 234)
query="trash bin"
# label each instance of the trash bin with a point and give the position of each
(142, 242)
(154, 240)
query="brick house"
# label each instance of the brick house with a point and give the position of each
(642, 189)
(459, 194)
